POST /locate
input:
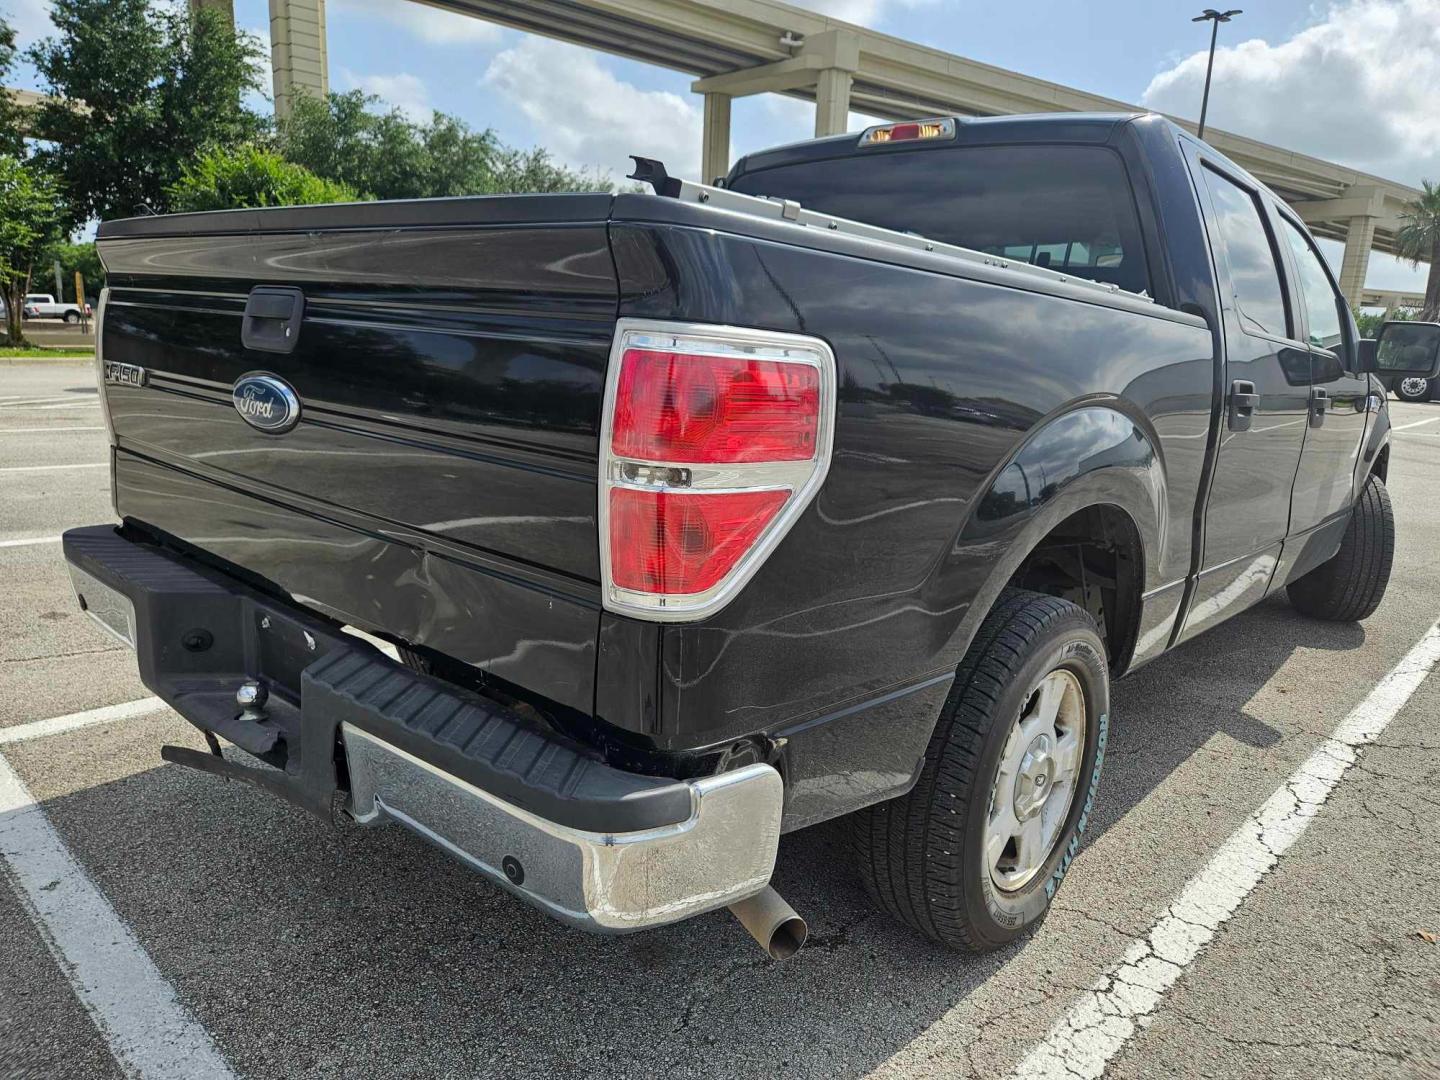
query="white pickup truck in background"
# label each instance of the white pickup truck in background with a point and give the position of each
(44, 306)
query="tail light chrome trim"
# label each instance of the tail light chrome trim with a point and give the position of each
(801, 479)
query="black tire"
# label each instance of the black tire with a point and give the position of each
(1414, 394)
(72, 316)
(1350, 586)
(921, 856)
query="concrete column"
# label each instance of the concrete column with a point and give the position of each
(832, 102)
(715, 141)
(1359, 239)
(297, 51)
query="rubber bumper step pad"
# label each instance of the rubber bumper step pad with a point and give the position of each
(485, 744)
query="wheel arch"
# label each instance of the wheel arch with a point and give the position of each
(1104, 491)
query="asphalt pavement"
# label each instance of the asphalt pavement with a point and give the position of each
(264, 943)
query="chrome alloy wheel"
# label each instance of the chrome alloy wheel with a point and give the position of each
(1036, 781)
(1413, 387)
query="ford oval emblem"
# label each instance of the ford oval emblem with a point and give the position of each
(266, 403)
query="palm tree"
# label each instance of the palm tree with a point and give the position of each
(1418, 240)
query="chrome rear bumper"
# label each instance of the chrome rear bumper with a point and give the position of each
(608, 882)
(586, 842)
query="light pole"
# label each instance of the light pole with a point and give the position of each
(1215, 18)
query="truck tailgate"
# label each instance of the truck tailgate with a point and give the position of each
(449, 366)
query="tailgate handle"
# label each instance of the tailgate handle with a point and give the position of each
(272, 319)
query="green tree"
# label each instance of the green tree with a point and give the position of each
(348, 138)
(139, 91)
(11, 141)
(72, 257)
(1370, 324)
(249, 177)
(1418, 240)
(535, 170)
(29, 224)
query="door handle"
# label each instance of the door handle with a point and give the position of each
(1243, 402)
(1319, 402)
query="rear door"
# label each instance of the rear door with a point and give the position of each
(1267, 400)
(1324, 484)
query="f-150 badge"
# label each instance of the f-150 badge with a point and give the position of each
(266, 402)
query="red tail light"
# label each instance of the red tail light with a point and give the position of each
(674, 543)
(713, 440)
(702, 409)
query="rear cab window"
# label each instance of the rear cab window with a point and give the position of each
(1069, 208)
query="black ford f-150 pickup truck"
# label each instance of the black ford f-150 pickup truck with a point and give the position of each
(672, 522)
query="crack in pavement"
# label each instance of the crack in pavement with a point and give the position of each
(1125, 999)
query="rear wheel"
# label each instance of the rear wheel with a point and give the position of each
(973, 854)
(1413, 389)
(72, 316)
(1352, 583)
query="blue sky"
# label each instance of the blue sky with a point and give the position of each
(1355, 81)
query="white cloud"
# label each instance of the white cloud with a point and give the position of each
(30, 18)
(862, 12)
(1360, 87)
(587, 117)
(432, 25)
(792, 120)
(403, 91)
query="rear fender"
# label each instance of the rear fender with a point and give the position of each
(1095, 455)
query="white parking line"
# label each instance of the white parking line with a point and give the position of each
(149, 1032)
(1416, 423)
(23, 403)
(57, 725)
(1125, 999)
(55, 468)
(46, 430)
(68, 405)
(27, 541)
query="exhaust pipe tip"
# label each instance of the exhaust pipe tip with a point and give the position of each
(772, 922)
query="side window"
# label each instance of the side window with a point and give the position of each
(1322, 302)
(1254, 270)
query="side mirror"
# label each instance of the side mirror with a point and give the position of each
(1405, 350)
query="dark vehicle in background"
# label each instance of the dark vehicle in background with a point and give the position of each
(1411, 347)
(684, 520)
